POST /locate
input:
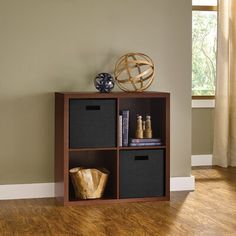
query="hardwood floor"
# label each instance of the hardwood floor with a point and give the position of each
(209, 210)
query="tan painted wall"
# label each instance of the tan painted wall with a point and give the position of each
(59, 45)
(202, 131)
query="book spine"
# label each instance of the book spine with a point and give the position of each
(120, 130)
(144, 144)
(152, 140)
(125, 127)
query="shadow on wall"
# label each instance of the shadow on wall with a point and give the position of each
(80, 75)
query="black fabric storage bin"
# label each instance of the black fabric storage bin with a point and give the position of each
(92, 123)
(142, 173)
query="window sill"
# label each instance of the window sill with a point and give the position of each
(203, 103)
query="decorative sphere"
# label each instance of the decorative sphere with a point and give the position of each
(104, 82)
(134, 72)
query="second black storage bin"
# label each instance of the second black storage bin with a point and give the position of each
(142, 173)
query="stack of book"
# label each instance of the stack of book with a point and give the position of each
(142, 142)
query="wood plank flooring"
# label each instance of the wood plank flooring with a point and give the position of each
(209, 210)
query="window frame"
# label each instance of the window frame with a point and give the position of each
(204, 8)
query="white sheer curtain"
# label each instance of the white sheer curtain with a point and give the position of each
(224, 149)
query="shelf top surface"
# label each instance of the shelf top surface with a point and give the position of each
(116, 148)
(114, 94)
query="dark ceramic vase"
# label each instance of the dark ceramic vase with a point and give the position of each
(104, 82)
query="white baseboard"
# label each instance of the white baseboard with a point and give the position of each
(182, 183)
(202, 103)
(45, 190)
(23, 191)
(201, 160)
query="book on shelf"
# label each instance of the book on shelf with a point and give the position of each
(120, 130)
(145, 144)
(125, 127)
(145, 140)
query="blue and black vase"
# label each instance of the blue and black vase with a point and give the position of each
(104, 82)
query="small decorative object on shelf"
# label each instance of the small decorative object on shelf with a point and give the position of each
(104, 82)
(89, 183)
(139, 128)
(148, 128)
(134, 72)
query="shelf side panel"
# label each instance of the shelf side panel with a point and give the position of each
(59, 147)
(167, 135)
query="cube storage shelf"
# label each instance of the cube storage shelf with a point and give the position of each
(87, 135)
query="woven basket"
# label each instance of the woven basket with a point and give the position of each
(89, 183)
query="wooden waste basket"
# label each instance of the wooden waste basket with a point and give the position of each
(89, 183)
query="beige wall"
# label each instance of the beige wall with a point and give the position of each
(59, 45)
(202, 131)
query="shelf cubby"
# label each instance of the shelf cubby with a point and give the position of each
(96, 159)
(154, 107)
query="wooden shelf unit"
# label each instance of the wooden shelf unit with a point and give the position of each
(156, 104)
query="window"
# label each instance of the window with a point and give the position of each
(204, 46)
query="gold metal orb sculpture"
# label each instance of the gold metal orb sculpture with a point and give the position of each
(134, 72)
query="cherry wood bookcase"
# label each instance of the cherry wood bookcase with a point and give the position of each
(113, 156)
